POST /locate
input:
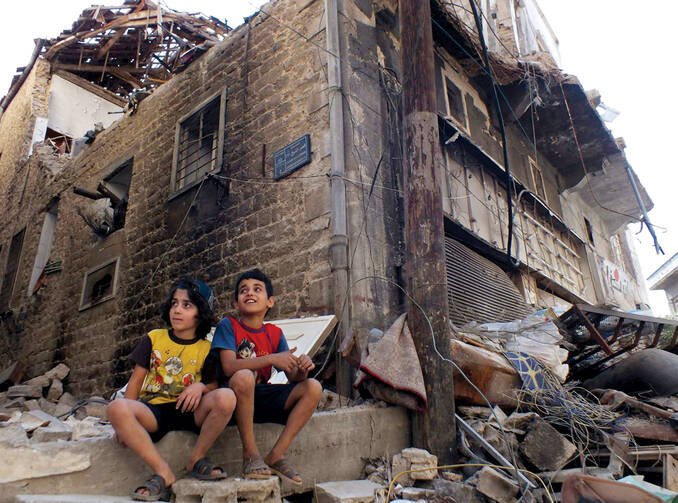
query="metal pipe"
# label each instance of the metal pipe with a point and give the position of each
(339, 237)
(646, 218)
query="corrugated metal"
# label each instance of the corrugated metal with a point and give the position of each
(479, 290)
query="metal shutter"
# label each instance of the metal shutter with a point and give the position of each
(479, 290)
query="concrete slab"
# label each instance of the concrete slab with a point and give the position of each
(346, 491)
(71, 498)
(329, 448)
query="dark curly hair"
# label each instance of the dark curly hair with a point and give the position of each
(254, 274)
(206, 317)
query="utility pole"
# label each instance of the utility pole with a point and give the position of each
(435, 428)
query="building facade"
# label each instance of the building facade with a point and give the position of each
(279, 147)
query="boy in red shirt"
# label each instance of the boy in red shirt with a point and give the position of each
(248, 348)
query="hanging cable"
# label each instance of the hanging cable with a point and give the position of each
(507, 169)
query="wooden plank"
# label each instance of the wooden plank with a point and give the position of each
(670, 472)
(111, 41)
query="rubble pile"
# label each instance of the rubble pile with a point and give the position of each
(38, 410)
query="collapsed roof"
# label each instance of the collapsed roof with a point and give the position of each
(131, 46)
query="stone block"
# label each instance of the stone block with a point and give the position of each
(60, 410)
(399, 465)
(346, 491)
(495, 485)
(54, 431)
(71, 498)
(446, 491)
(42, 381)
(55, 390)
(16, 403)
(452, 476)
(41, 460)
(67, 399)
(32, 405)
(13, 434)
(193, 490)
(89, 427)
(420, 456)
(34, 419)
(426, 473)
(59, 372)
(416, 493)
(258, 491)
(24, 391)
(47, 406)
(545, 447)
(96, 409)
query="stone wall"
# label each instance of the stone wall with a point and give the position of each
(274, 81)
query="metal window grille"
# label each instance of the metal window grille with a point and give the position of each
(197, 150)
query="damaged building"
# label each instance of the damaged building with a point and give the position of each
(144, 144)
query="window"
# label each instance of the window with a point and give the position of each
(116, 187)
(199, 143)
(11, 269)
(455, 103)
(44, 248)
(538, 180)
(99, 284)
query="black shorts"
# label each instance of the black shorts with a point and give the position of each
(269, 402)
(170, 418)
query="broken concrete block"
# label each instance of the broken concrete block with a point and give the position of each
(10, 416)
(423, 471)
(347, 491)
(16, 403)
(71, 498)
(88, 428)
(399, 464)
(34, 419)
(40, 460)
(13, 434)
(61, 410)
(519, 421)
(192, 490)
(257, 491)
(32, 405)
(52, 432)
(59, 372)
(55, 390)
(47, 406)
(545, 447)
(446, 491)
(25, 391)
(42, 381)
(495, 485)
(67, 399)
(416, 493)
(419, 456)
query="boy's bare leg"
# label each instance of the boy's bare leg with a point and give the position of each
(212, 415)
(301, 403)
(132, 421)
(242, 383)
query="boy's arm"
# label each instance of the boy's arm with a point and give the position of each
(135, 382)
(231, 364)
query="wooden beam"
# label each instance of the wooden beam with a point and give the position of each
(107, 46)
(126, 76)
(94, 68)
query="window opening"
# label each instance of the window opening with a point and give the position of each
(100, 284)
(62, 143)
(199, 144)
(11, 269)
(44, 248)
(538, 179)
(455, 102)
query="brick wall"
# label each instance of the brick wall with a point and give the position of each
(275, 84)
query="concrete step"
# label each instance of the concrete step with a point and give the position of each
(346, 491)
(71, 498)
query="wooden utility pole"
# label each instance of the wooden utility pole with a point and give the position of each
(434, 429)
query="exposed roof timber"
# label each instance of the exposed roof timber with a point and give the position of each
(133, 45)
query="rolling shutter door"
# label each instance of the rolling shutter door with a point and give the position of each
(478, 289)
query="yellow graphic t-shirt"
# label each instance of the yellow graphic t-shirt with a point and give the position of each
(174, 365)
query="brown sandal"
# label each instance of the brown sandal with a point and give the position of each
(255, 467)
(285, 471)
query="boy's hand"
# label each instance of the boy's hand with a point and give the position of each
(286, 361)
(305, 364)
(189, 399)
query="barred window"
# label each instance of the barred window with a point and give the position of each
(199, 143)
